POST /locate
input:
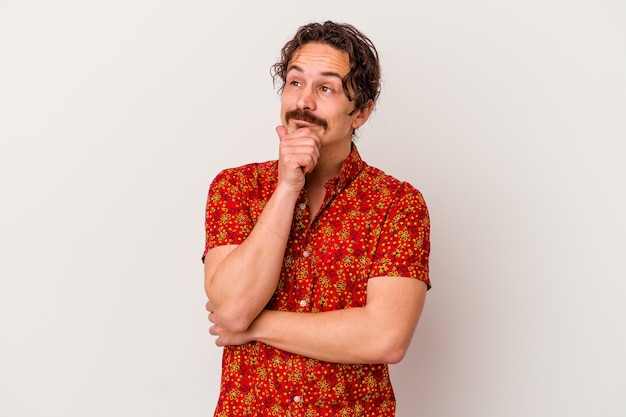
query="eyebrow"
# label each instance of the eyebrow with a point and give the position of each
(326, 73)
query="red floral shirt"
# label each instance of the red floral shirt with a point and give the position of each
(369, 225)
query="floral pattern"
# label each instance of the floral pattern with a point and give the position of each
(369, 225)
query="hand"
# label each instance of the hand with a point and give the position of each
(298, 155)
(225, 337)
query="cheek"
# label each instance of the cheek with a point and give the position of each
(288, 96)
(284, 107)
(286, 103)
(341, 124)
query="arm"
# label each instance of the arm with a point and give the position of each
(379, 332)
(240, 279)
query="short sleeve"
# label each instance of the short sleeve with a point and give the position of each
(404, 244)
(227, 219)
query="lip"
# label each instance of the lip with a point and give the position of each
(302, 123)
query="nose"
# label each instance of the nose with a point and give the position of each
(306, 100)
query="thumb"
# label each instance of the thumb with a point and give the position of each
(282, 131)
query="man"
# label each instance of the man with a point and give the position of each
(316, 265)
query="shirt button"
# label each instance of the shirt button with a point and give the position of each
(302, 303)
(297, 399)
(302, 206)
(306, 253)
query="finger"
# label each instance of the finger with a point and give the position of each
(282, 131)
(307, 132)
(308, 163)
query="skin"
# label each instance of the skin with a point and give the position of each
(241, 279)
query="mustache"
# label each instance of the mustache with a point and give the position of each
(306, 116)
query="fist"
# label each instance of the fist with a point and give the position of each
(298, 155)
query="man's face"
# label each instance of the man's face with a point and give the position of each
(314, 97)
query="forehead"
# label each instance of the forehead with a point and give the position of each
(320, 58)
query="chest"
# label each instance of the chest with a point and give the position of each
(327, 262)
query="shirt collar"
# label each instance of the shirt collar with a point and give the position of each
(351, 167)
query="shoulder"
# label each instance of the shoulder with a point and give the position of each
(388, 186)
(252, 173)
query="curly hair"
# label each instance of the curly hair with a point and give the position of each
(364, 76)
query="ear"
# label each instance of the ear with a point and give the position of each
(362, 115)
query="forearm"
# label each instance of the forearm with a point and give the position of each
(241, 283)
(341, 336)
(379, 332)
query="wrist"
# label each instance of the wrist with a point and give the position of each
(287, 190)
(255, 331)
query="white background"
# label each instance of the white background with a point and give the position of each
(115, 115)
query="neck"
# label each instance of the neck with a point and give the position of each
(328, 165)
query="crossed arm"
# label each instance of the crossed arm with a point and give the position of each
(379, 332)
(241, 279)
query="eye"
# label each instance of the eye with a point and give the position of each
(326, 89)
(295, 83)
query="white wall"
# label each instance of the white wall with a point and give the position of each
(115, 116)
